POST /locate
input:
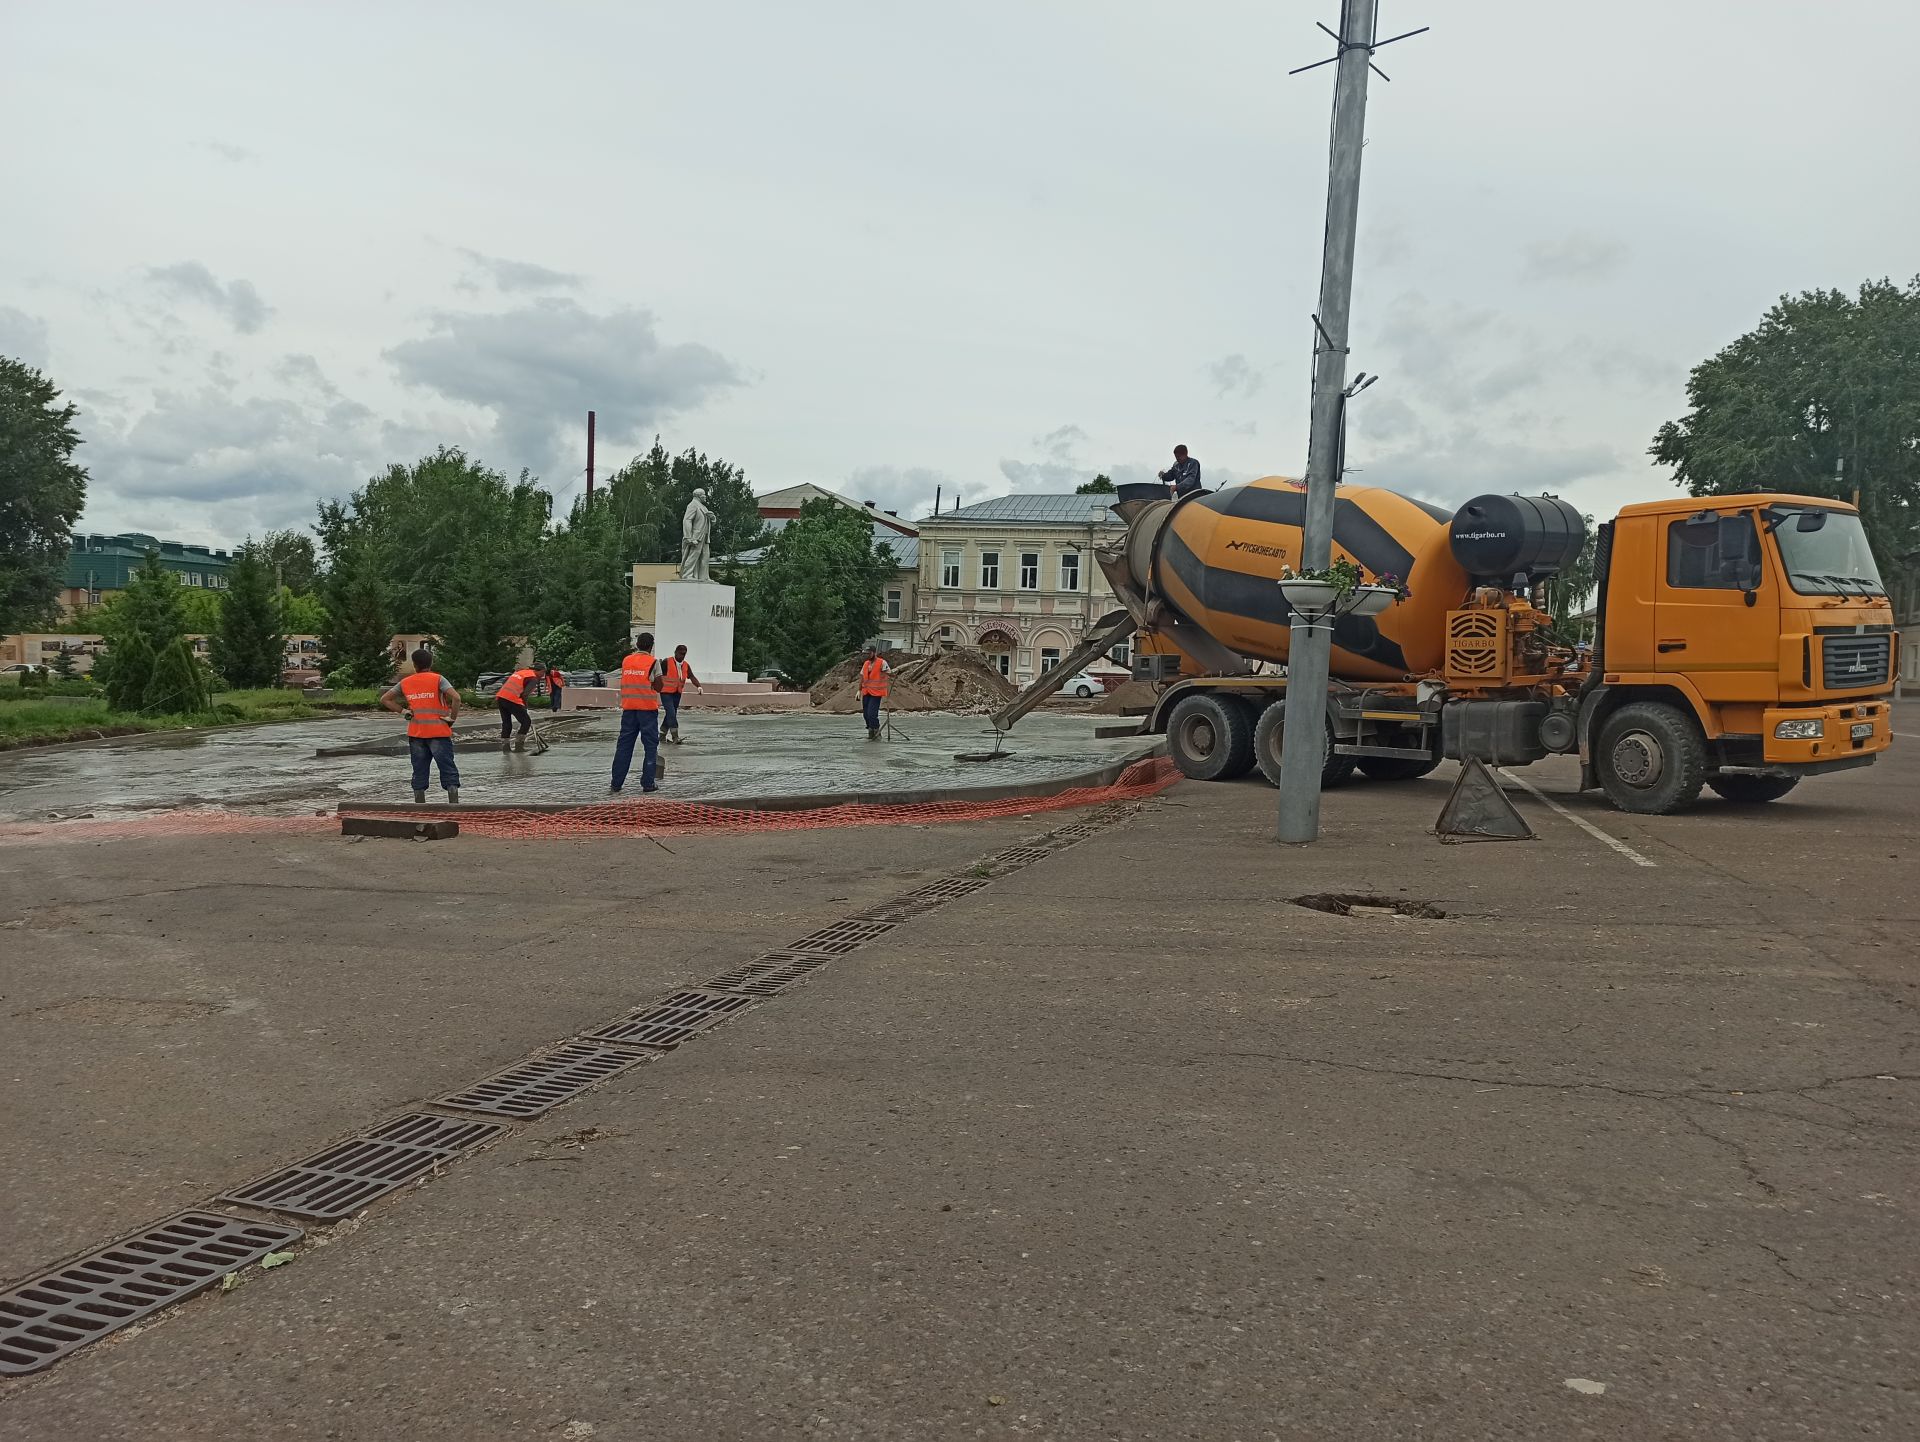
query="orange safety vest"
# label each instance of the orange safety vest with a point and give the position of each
(674, 678)
(873, 677)
(556, 680)
(636, 683)
(514, 688)
(430, 714)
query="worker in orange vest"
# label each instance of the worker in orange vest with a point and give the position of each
(556, 681)
(512, 700)
(873, 689)
(674, 675)
(431, 705)
(639, 714)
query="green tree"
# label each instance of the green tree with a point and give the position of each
(1099, 486)
(63, 666)
(556, 647)
(199, 610)
(815, 594)
(178, 685)
(357, 633)
(423, 525)
(141, 626)
(302, 615)
(648, 496)
(1821, 399)
(290, 556)
(248, 644)
(1569, 592)
(474, 620)
(41, 493)
(583, 583)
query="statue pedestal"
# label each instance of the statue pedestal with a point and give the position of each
(699, 616)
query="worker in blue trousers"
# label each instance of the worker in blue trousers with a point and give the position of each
(639, 715)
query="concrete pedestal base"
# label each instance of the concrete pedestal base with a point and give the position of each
(699, 616)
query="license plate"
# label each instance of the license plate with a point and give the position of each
(1862, 730)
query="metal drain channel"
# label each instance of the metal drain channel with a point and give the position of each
(55, 1313)
(338, 1182)
(544, 1082)
(62, 1310)
(767, 975)
(684, 1014)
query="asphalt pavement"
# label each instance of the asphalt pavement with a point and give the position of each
(1124, 1144)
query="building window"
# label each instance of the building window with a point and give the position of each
(1049, 658)
(93, 598)
(893, 605)
(990, 571)
(192, 578)
(1070, 571)
(950, 569)
(1029, 570)
(1122, 655)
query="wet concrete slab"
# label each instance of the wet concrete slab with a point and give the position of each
(272, 770)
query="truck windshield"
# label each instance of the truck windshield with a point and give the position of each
(1825, 552)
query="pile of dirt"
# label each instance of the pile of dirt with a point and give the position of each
(1128, 696)
(949, 680)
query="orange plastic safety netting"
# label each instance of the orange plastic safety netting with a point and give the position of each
(618, 818)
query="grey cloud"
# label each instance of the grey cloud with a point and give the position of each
(299, 369)
(1059, 467)
(909, 490)
(23, 336)
(1233, 375)
(226, 150)
(237, 300)
(540, 368)
(1573, 257)
(520, 275)
(1454, 468)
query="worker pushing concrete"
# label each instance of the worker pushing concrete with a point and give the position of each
(675, 673)
(874, 685)
(431, 705)
(512, 700)
(639, 715)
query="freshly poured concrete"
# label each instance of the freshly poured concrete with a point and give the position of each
(273, 770)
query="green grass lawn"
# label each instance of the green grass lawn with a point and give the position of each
(32, 721)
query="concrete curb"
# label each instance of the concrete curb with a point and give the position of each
(1100, 776)
(137, 738)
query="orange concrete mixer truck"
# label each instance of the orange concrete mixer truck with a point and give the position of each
(1741, 642)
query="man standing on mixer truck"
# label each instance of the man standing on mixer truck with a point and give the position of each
(431, 705)
(1183, 475)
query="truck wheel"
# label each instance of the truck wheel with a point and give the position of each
(1266, 749)
(1751, 790)
(1396, 768)
(1211, 737)
(1652, 759)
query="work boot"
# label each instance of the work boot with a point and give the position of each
(505, 744)
(873, 733)
(453, 796)
(420, 797)
(520, 743)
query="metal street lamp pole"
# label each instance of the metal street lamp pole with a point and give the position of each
(1303, 741)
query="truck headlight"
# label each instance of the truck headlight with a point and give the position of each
(1806, 730)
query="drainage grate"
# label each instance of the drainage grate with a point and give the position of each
(1021, 856)
(901, 908)
(937, 893)
(533, 1086)
(843, 936)
(684, 1014)
(767, 975)
(341, 1180)
(57, 1313)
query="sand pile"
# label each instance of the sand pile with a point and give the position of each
(1128, 696)
(954, 680)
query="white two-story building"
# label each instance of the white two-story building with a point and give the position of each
(1016, 578)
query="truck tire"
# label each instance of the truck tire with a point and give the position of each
(1211, 737)
(1652, 759)
(1396, 768)
(1752, 790)
(1266, 749)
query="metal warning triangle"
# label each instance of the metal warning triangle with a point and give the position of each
(1478, 809)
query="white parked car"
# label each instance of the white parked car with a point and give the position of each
(1085, 685)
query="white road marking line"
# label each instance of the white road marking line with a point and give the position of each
(1907, 736)
(1580, 821)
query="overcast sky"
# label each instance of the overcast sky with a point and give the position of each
(269, 249)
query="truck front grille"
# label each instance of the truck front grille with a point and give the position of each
(1850, 662)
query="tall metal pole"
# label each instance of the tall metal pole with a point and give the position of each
(589, 460)
(1303, 741)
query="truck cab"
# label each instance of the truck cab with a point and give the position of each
(1744, 642)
